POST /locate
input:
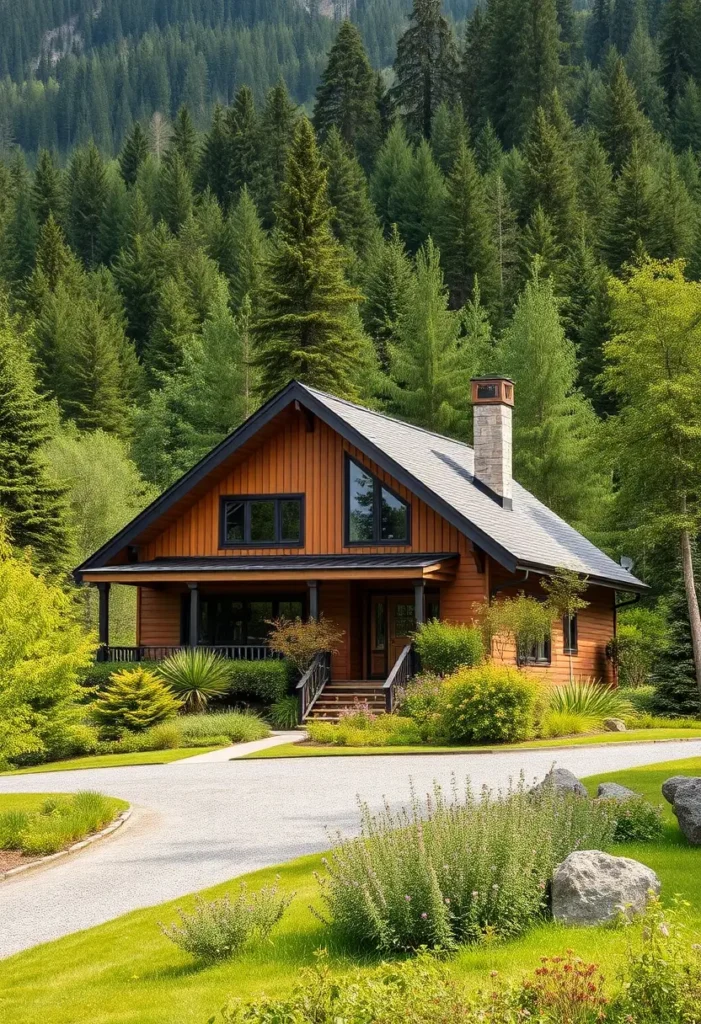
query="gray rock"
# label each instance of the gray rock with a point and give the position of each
(613, 791)
(687, 807)
(669, 787)
(591, 887)
(614, 725)
(562, 781)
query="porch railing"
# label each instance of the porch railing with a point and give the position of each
(313, 682)
(148, 652)
(401, 673)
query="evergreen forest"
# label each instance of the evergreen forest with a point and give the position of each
(202, 199)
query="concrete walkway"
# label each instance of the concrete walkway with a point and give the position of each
(241, 749)
(196, 824)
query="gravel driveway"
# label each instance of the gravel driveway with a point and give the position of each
(199, 824)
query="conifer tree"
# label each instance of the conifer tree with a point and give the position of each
(213, 170)
(568, 30)
(548, 180)
(133, 154)
(54, 260)
(305, 329)
(243, 143)
(346, 96)
(47, 189)
(643, 67)
(505, 235)
(389, 178)
(20, 237)
(677, 216)
(465, 234)
(32, 506)
(488, 151)
(538, 67)
(277, 123)
(450, 132)
(422, 200)
(598, 31)
(430, 370)
(504, 32)
(473, 71)
(678, 39)
(618, 117)
(113, 226)
(249, 247)
(539, 243)
(594, 187)
(633, 223)
(387, 288)
(86, 206)
(687, 118)
(175, 197)
(353, 220)
(184, 141)
(426, 67)
(97, 399)
(174, 324)
(623, 22)
(553, 424)
(676, 692)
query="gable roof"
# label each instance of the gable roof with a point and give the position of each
(436, 469)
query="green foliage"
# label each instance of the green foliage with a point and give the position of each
(444, 647)
(284, 713)
(195, 676)
(265, 681)
(300, 641)
(219, 929)
(452, 870)
(134, 700)
(360, 728)
(421, 698)
(488, 704)
(589, 698)
(641, 698)
(642, 638)
(521, 622)
(425, 67)
(555, 723)
(60, 822)
(637, 821)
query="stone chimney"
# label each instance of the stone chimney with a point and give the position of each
(492, 407)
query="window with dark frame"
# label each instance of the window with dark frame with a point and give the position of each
(262, 521)
(374, 513)
(569, 632)
(538, 654)
(229, 620)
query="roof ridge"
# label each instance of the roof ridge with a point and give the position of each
(386, 416)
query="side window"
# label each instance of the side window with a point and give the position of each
(569, 632)
(374, 514)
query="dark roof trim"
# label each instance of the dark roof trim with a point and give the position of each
(599, 581)
(272, 563)
(292, 392)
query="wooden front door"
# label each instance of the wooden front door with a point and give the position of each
(391, 622)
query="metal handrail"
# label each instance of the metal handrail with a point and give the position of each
(401, 673)
(313, 682)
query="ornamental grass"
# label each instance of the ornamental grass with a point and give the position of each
(456, 868)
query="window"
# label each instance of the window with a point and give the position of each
(374, 514)
(569, 632)
(539, 654)
(262, 521)
(404, 620)
(228, 620)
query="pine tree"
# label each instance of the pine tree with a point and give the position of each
(553, 424)
(32, 506)
(113, 226)
(426, 67)
(387, 288)
(623, 22)
(346, 96)
(633, 223)
(184, 141)
(687, 118)
(19, 239)
(569, 35)
(473, 71)
(86, 206)
(619, 119)
(277, 122)
(213, 169)
(488, 151)
(594, 332)
(505, 236)
(422, 200)
(643, 67)
(97, 396)
(504, 33)
(598, 31)
(54, 260)
(305, 329)
(175, 199)
(450, 132)
(548, 180)
(249, 247)
(676, 691)
(678, 42)
(353, 220)
(538, 69)
(174, 324)
(677, 220)
(539, 243)
(243, 143)
(133, 154)
(389, 178)
(47, 189)
(465, 234)
(594, 187)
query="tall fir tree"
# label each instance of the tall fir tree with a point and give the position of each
(308, 327)
(598, 34)
(422, 199)
(473, 72)
(97, 398)
(674, 674)
(687, 118)
(133, 154)
(86, 205)
(213, 173)
(175, 194)
(277, 121)
(450, 132)
(594, 187)
(505, 228)
(633, 225)
(353, 220)
(184, 141)
(249, 247)
(243, 143)
(388, 182)
(426, 67)
(387, 287)
(618, 117)
(346, 96)
(488, 151)
(48, 194)
(538, 69)
(174, 324)
(548, 179)
(623, 21)
(678, 41)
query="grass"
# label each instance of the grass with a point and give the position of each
(632, 736)
(113, 760)
(126, 971)
(73, 817)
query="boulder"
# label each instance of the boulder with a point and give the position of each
(562, 781)
(687, 807)
(591, 887)
(669, 787)
(612, 791)
(614, 725)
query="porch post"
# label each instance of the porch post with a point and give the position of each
(194, 614)
(103, 590)
(313, 599)
(419, 601)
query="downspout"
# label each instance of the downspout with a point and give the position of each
(509, 583)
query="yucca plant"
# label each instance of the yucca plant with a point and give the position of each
(196, 676)
(284, 713)
(590, 699)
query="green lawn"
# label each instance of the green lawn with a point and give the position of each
(633, 736)
(114, 760)
(126, 972)
(32, 802)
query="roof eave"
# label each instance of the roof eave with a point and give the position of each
(634, 585)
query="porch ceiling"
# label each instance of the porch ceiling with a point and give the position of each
(243, 568)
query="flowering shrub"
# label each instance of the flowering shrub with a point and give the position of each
(420, 699)
(448, 872)
(564, 989)
(636, 820)
(489, 704)
(444, 647)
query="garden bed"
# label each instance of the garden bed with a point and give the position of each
(126, 971)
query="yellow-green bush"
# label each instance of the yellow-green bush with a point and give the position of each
(134, 700)
(444, 647)
(361, 730)
(491, 703)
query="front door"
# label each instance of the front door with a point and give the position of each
(391, 623)
(401, 623)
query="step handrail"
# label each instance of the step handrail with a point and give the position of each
(313, 682)
(402, 671)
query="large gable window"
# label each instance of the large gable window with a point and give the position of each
(264, 521)
(374, 514)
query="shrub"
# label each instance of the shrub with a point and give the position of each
(563, 723)
(195, 676)
(521, 622)
(97, 675)
(564, 990)
(135, 700)
(63, 821)
(641, 699)
(360, 730)
(646, 721)
(300, 641)
(590, 698)
(642, 635)
(218, 929)
(12, 827)
(444, 647)
(75, 740)
(264, 681)
(284, 713)
(489, 704)
(236, 726)
(205, 741)
(165, 736)
(421, 698)
(636, 820)
(448, 872)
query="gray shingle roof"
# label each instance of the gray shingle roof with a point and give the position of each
(530, 532)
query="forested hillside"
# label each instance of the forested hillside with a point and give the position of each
(519, 190)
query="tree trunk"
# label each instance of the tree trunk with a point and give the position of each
(693, 603)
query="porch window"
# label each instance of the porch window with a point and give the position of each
(569, 632)
(374, 513)
(229, 620)
(265, 521)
